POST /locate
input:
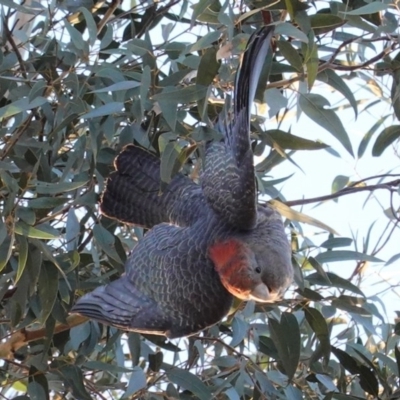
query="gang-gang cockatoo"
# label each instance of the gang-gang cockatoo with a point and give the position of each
(206, 243)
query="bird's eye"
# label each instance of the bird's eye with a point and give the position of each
(258, 270)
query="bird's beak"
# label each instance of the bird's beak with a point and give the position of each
(261, 294)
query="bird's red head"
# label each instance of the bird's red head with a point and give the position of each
(234, 263)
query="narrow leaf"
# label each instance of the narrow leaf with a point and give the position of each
(289, 213)
(335, 281)
(190, 382)
(345, 255)
(320, 328)
(286, 140)
(106, 109)
(47, 289)
(124, 85)
(330, 77)
(286, 336)
(291, 54)
(313, 106)
(371, 8)
(187, 94)
(22, 256)
(21, 228)
(59, 187)
(385, 139)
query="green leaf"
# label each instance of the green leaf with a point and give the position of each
(184, 95)
(72, 377)
(397, 355)
(124, 85)
(21, 228)
(206, 73)
(205, 11)
(318, 267)
(240, 329)
(291, 54)
(267, 346)
(47, 289)
(286, 140)
(59, 187)
(331, 78)
(169, 109)
(208, 67)
(190, 382)
(323, 23)
(76, 36)
(173, 157)
(22, 256)
(336, 242)
(174, 50)
(335, 281)
(206, 41)
(3, 231)
(106, 241)
(72, 230)
(20, 105)
(107, 109)
(38, 387)
(286, 336)
(345, 255)
(26, 214)
(103, 366)
(6, 249)
(294, 7)
(367, 137)
(289, 30)
(140, 47)
(47, 202)
(311, 60)
(385, 139)
(375, 6)
(90, 25)
(320, 328)
(368, 379)
(156, 361)
(294, 215)
(339, 183)
(313, 106)
(137, 381)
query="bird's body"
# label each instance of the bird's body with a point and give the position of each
(206, 243)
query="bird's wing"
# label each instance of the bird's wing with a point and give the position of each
(228, 181)
(132, 192)
(170, 287)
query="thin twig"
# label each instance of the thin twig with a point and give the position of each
(345, 191)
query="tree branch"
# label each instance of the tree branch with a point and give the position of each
(23, 336)
(345, 191)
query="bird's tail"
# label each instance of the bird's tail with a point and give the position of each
(122, 305)
(114, 304)
(132, 192)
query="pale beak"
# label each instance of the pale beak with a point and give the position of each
(261, 294)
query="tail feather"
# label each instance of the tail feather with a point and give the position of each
(132, 193)
(228, 181)
(123, 305)
(113, 304)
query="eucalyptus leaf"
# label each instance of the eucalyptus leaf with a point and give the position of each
(313, 106)
(385, 139)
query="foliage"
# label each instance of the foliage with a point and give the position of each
(79, 80)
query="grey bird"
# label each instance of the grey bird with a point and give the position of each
(206, 243)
